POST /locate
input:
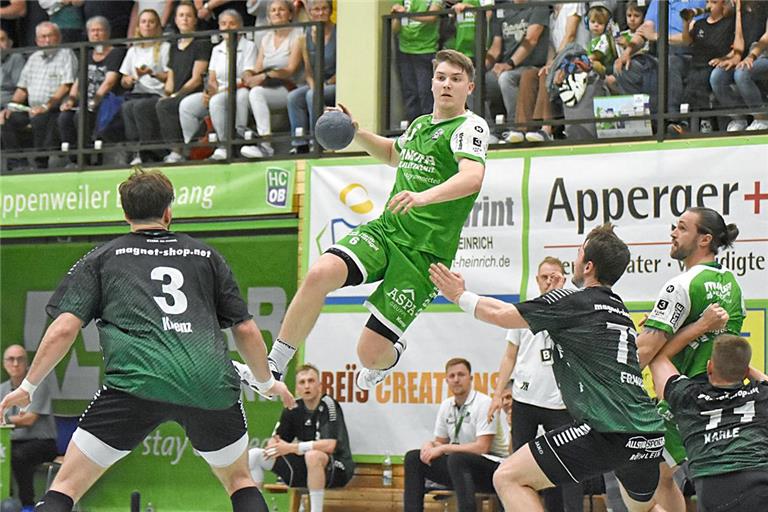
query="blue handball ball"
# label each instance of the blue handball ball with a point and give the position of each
(334, 130)
(10, 505)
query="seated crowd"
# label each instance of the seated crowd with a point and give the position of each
(157, 94)
(545, 63)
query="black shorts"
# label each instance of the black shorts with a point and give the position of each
(122, 421)
(576, 452)
(740, 491)
(292, 469)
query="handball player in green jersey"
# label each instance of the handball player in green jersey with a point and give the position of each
(616, 426)
(160, 300)
(440, 164)
(672, 324)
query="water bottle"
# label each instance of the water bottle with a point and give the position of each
(386, 471)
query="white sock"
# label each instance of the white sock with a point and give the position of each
(316, 500)
(281, 354)
(399, 349)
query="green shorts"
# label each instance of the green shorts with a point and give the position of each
(674, 451)
(405, 288)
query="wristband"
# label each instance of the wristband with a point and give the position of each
(468, 302)
(305, 446)
(263, 387)
(28, 387)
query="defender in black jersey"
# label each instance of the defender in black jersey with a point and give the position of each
(616, 425)
(724, 425)
(310, 445)
(160, 300)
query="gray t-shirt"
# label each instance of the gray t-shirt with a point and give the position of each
(511, 24)
(45, 426)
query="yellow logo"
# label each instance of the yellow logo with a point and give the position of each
(355, 196)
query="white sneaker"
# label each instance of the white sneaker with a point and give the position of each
(737, 125)
(705, 126)
(758, 124)
(515, 136)
(219, 154)
(173, 158)
(267, 149)
(368, 379)
(538, 136)
(136, 159)
(251, 152)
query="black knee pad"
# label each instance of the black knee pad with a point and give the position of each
(376, 326)
(354, 275)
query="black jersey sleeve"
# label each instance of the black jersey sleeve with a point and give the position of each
(334, 421)
(231, 309)
(550, 312)
(676, 391)
(286, 427)
(79, 292)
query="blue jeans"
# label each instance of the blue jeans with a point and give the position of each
(745, 82)
(300, 111)
(416, 83)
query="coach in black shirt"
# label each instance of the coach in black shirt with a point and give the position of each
(310, 447)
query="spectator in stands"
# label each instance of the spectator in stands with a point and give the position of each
(45, 81)
(310, 446)
(33, 440)
(104, 62)
(301, 110)
(565, 27)
(12, 64)
(636, 70)
(462, 25)
(520, 42)
(163, 8)
(276, 72)
(602, 47)
(416, 49)
(743, 74)
(11, 11)
(712, 41)
(209, 11)
(68, 16)
(259, 9)
(536, 396)
(466, 449)
(187, 63)
(194, 107)
(144, 70)
(118, 14)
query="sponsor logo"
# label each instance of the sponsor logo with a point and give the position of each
(670, 288)
(646, 455)
(642, 443)
(479, 129)
(438, 134)
(403, 301)
(662, 304)
(355, 197)
(477, 142)
(628, 378)
(717, 290)
(277, 187)
(170, 325)
(679, 308)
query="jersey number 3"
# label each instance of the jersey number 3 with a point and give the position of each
(178, 303)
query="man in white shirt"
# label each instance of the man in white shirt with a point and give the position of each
(466, 448)
(536, 397)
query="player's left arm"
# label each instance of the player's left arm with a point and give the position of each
(56, 342)
(712, 319)
(481, 445)
(487, 309)
(649, 343)
(661, 370)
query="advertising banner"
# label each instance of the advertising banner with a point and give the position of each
(163, 468)
(201, 191)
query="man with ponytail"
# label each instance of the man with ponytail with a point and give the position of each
(691, 310)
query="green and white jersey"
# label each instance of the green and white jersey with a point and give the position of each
(160, 300)
(418, 37)
(682, 301)
(464, 39)
(430, 152)
(724, 429)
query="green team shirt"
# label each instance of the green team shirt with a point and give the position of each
(430, 151)
(160, 300)
(682, 301)
(595, 361)
(724, 429)
(464, 40)
(417, 37)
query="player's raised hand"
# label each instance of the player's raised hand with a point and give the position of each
(404, 201)
(555, 281)
(450, 284)
(280, 390)
(714, 317)
(18, 398)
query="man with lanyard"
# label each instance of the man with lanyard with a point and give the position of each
(696, 239)
(466, 449)
(310, 446)
(724, 424)
(616, 426)
(160, 301)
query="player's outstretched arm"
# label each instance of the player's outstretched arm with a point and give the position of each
(380, 148)
(487, 309)
(712, 319)
(467, 181)
(250, 345)
(56, 342)
(661, 370)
